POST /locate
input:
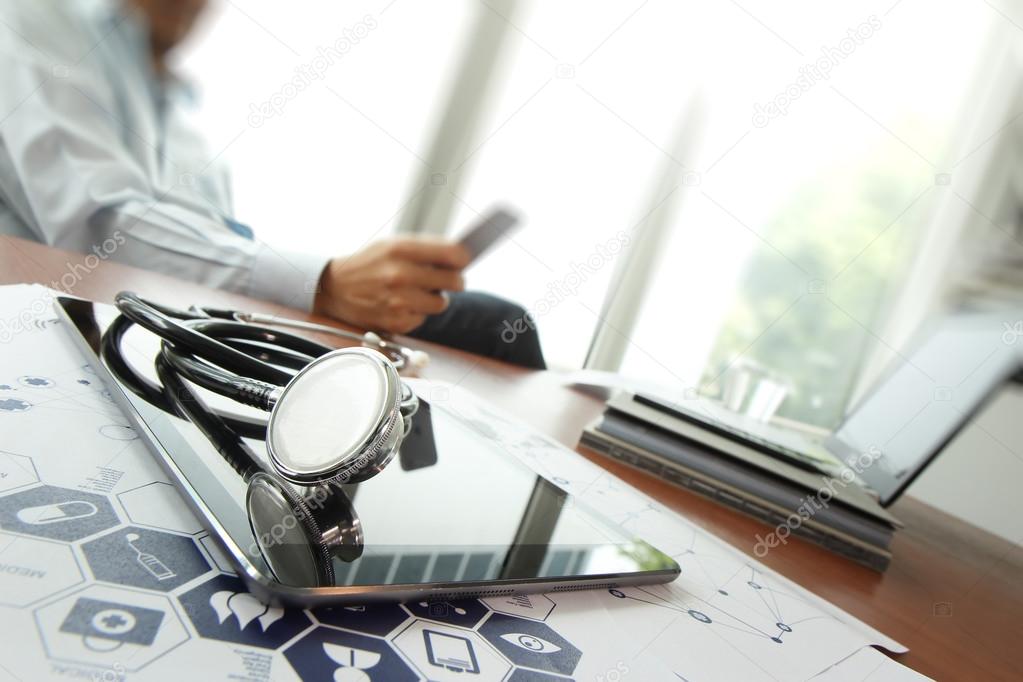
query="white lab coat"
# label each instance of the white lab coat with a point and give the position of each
(93, 147)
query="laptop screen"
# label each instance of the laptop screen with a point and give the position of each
(927, 396)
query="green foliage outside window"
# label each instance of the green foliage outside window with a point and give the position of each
(813, 299)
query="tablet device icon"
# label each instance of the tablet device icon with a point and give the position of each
(450, 651)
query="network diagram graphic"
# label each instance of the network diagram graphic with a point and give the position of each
(118, 577)
(706, 611)
(104, 572)
(722, 598)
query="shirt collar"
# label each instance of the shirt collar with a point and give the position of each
(117, 16)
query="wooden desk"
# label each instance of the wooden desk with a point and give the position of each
(953, 593)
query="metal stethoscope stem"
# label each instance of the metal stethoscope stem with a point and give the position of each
(403, 356)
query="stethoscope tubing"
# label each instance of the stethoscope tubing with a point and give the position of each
(226, 357)
(224, 439)
(402, 356)
(244, 361)
(201, 352)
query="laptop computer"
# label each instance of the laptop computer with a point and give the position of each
(924, 399)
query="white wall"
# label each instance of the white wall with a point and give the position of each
(978, 476)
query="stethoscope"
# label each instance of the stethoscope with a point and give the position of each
(403, 357)
(338, 419)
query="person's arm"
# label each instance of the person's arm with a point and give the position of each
(66, 170)
(82, 190)
(393, 285)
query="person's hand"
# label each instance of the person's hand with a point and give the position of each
(391, 286)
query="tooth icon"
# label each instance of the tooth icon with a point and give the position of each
(351, 657)
(351, 662)
(245, 608)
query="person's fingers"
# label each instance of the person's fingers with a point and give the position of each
(429, 278)
(400, 323)
(430, 252)
(418, 301)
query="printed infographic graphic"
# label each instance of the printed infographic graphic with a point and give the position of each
(104, 572)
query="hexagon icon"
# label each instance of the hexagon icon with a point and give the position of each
(145, 558)
(16, 471)
(57, 513)
(32, 569)
(109, 626)
(325, 653)
(532, 606)
(445, 653)
(223, 609)
(216, 554)
(159, 505)
(372, 619)
(118, 432)
(531, 644)
(463, 613)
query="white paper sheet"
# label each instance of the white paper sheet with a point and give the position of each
(83, 504)
(869, 665)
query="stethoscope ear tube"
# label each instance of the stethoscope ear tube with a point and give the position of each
(360, 408)
(223, 330)
(356, 388)
(258, 394)
(187, 404)
(202, 345)
(400, 356)
(154, 394)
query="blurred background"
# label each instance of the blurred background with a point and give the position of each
(811, 180)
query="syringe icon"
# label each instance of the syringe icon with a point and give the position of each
(156, 568)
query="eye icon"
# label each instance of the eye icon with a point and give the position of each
(531, 643)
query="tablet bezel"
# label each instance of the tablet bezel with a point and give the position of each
(258, 579)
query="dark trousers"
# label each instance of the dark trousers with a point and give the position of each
(485, 325)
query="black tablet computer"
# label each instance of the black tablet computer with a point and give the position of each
(454, 515)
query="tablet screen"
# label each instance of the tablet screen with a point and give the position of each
(453, 507)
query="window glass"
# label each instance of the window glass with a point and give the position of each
(824, 132)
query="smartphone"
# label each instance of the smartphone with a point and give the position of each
(494, 227)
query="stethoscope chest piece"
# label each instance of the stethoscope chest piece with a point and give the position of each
(299, 536)
(339, 419)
